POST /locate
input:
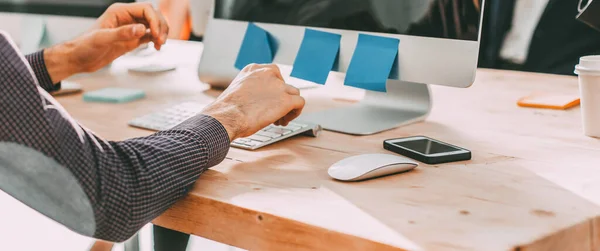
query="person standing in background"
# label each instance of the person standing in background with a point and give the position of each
(536, 36)
(454, 19)
(525, 35)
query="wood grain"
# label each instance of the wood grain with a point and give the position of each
(533, 183)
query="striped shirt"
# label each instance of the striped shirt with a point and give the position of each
(127, 183)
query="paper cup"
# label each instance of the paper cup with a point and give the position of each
(589, 87)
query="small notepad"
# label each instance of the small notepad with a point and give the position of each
(550, 101)
(114, 95)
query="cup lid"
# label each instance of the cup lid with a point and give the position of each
(580, 70)
(590, 62)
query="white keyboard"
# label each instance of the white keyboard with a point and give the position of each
(173, 116)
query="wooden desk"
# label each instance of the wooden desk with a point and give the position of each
(533, 183)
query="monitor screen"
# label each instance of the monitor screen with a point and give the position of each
(452, 19)
(82, 8)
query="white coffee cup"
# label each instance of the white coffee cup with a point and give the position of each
(589, 86)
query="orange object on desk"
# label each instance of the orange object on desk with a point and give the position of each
(550, 101)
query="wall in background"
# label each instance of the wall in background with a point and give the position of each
(10, 23)
(59, 29)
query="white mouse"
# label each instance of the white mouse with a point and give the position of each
(370, 166)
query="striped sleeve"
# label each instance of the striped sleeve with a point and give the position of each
(126, 183)
(36, 60)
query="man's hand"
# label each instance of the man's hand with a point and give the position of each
(121, 29)
(257, 98)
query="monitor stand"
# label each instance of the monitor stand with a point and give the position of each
(403, 104)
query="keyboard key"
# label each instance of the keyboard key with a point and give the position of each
(235, 143)
(259, 138)
(297, 124)
(281, 131)
(269, 134)
(242, 140)
(293, 128)
(253, 143)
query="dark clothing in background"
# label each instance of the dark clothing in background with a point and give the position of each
(339, 14)
(449, 19)
(558, 42)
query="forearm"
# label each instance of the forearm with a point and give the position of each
(59, 62)
(52, 65)
(126, 183)
(143, 177)
(38, 65)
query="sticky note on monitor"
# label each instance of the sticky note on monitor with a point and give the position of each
(317, 56)
(258, 47)
(372, 62)
(114, 95)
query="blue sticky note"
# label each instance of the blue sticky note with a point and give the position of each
(372, 62)
(114, 95)
(257, 47)
(317, 56)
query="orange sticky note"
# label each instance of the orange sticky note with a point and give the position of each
(550, 101)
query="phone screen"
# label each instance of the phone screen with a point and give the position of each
(426, 146)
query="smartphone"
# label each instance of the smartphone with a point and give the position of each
(427, 150)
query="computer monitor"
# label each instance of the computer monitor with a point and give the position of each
(439, 46)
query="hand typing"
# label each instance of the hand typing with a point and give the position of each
(257, 98)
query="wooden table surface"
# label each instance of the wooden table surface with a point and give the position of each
(533, 183)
